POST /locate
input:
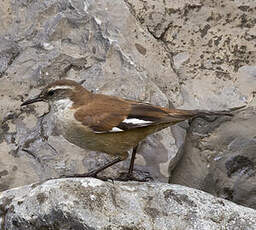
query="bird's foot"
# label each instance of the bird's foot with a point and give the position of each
(126, 177)
(91, 174)
(141, 177)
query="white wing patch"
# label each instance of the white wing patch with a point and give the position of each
(113, 130)
(128, 123)
(136, 121)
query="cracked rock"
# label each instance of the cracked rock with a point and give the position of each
(221, 159)
(93, 204)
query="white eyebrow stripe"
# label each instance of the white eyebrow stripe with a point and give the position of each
(61, 87)
(136, 121)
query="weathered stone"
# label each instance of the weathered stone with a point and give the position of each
(8, 52)
(192, 54)
(92, 204)
(220, 158)
(218, 38)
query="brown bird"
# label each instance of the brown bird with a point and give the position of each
(105, 123)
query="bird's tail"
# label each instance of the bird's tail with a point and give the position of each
(177, 115)
(228, 112)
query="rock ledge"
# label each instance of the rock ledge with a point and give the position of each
(92, 204)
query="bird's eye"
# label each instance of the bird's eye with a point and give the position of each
(50, 93)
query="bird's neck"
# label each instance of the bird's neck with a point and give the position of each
(61, 105)
(63, 115)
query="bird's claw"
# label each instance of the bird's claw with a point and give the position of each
(89, 174)
(131, 177)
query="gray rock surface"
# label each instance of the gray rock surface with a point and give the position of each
(92, 204)
(192, 54)
(220, 158)
(209, 41)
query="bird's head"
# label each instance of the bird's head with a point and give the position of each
(60, 92)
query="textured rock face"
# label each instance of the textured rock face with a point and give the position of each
(91, 204)
(209, 41)
(220, 158)
(192, 54)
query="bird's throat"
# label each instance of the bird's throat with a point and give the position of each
(61, 105)
(63, 112)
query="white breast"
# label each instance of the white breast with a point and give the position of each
(63, 113)
(62, 104)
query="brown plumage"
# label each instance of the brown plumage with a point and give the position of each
(106, 123)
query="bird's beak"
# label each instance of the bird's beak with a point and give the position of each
(32, 100)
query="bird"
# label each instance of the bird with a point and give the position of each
(106, 123)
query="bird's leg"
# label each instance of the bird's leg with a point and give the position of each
(94, 172)
(130, 171)
(129, 176)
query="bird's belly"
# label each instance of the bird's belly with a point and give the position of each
(111, 143)
(115, 143)
(86, 139)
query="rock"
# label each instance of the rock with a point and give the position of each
(246, 78)
(93, 204)
(187, 54)
(219, 158)
(8, 52)
(13, 170)
(216, 38)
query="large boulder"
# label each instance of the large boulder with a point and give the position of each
(190, 54)
(219, 158)
(208, 41)
(92, 204)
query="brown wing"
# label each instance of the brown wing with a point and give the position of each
(105, 114)
(112, 114)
